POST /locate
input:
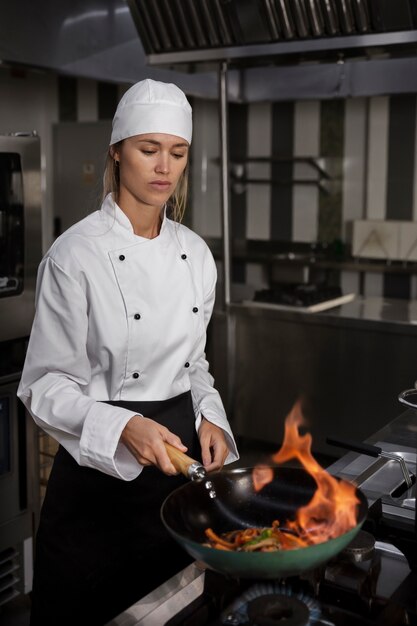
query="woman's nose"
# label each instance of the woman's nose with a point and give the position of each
(162, 165)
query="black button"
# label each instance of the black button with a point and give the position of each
(122, 257)
(184, 256)
(137, 316)
(195, 309)
(135, 375)
(187, 364)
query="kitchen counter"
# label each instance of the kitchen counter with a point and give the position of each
(390, 314)
(347, 364)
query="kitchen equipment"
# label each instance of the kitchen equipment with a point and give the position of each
(189, 510)
(20, 232)
(374, 451)
(20, 254)
(367, 584)
(409, 397)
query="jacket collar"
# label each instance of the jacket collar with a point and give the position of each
(115, 213)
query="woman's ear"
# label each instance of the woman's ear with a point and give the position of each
(114, 153)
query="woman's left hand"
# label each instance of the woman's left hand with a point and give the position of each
(214, 448)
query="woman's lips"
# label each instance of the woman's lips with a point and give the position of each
(162, 185)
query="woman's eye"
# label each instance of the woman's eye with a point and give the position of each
(148, 152)
(178, 156)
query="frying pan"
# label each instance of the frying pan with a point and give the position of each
(190, 509)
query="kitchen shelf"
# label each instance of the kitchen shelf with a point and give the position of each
(320, 165)
(268, 253)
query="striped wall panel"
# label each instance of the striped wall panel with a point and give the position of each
(305, 198)
(282, 147)
(371, 146)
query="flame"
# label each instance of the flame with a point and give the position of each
(332, 511)
(261, 476)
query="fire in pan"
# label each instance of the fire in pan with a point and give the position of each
(321, 511)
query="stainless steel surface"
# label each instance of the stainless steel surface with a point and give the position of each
(281, 356)
(98, 39)
(312, 47)
(157, 607)
(382, 478)
(89, 38)
(399, 459)
(371, 312)
(409, 397)
(16, 312)
(225, 191)
(196, 471)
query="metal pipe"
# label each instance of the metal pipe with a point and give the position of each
(224, 163)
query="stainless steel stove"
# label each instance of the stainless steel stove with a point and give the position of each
(373, 581)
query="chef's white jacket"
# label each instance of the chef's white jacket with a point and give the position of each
(119, 317)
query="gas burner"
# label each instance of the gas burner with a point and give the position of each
(276, 609)
(360, 549)
(272, 604)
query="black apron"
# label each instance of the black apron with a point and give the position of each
(101, 544)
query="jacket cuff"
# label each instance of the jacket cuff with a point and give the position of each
(100, 446)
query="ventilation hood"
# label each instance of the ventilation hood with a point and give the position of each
(250, 32)
(274, 49)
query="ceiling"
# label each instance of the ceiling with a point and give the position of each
(87, 38)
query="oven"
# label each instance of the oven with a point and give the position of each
(20, 254)
(20, 232)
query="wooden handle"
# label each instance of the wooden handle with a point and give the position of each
(179, 460)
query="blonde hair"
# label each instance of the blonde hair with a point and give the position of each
(176, 204)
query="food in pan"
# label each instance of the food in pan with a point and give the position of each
(269, 539)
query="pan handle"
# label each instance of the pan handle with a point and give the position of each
(184, 464)
(375, 451)
(354, 446)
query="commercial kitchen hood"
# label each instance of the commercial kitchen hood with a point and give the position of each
(246, 32)
(295, 55)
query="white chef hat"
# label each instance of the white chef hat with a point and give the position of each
(151, 106)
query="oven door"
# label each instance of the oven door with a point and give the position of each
(19, 465)
(14, 479)
(20, 232)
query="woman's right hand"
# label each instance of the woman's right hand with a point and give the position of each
(145, 439)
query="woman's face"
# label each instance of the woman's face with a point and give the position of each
(150, 167)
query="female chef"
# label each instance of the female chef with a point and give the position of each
(116, 367)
